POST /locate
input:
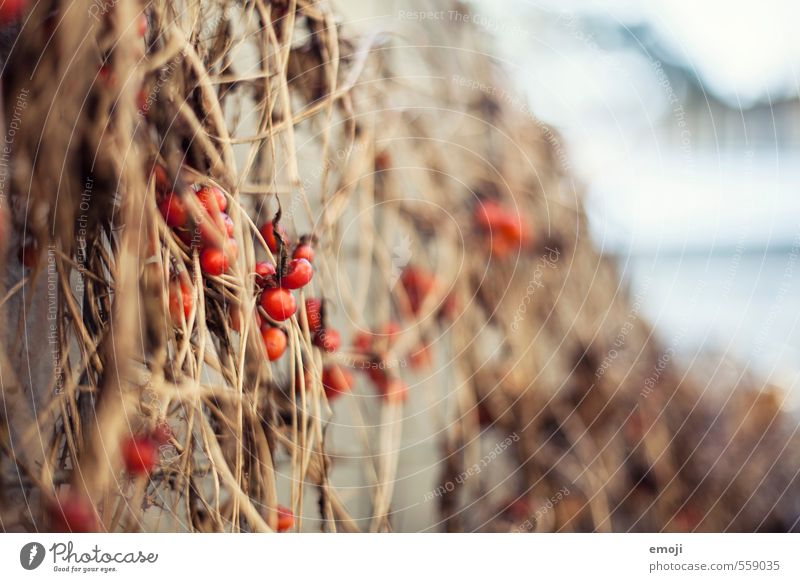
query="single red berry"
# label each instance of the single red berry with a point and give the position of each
(417, 284)
(279, 304)
(268, 233)
(506, 228)
(500, 247)
(314, 315)
(285, 519)
(304, 251)
(274, 342)
(212, 199)
(174, 211)
(514, 229)
(72, 513)
(298, 274)
(11, 10)
(181, 300)
(213, 261)
(362, 342)
(335, 381)
(489, 214)
(140, 455)
(328, 339)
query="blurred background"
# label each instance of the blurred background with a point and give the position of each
(683, 121)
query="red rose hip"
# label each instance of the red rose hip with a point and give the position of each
(72, 513)
(279, 304)
(298, 274)
(213, 261)
(304, 251)
(174, 211)
(285, 519)
(140, 455)
(274, 342)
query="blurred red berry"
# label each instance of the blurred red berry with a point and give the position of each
(279, 303)
(174, 211)
(304, 251)
(213, 261)
(335, 381)
(212, 199)
(274, 342)
(417, 284)
(506, 228)
(285, 519)
(141, 24)
(72, 513)
(11, 10)
(488, 214)
(362, 341)
(328, 339)
(139, 454)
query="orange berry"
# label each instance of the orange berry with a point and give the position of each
(274, 342)
(279, 303)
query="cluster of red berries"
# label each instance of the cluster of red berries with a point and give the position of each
(140, 452)
(276, 284)
(210, 231)
(418, 284)
(507, 231)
